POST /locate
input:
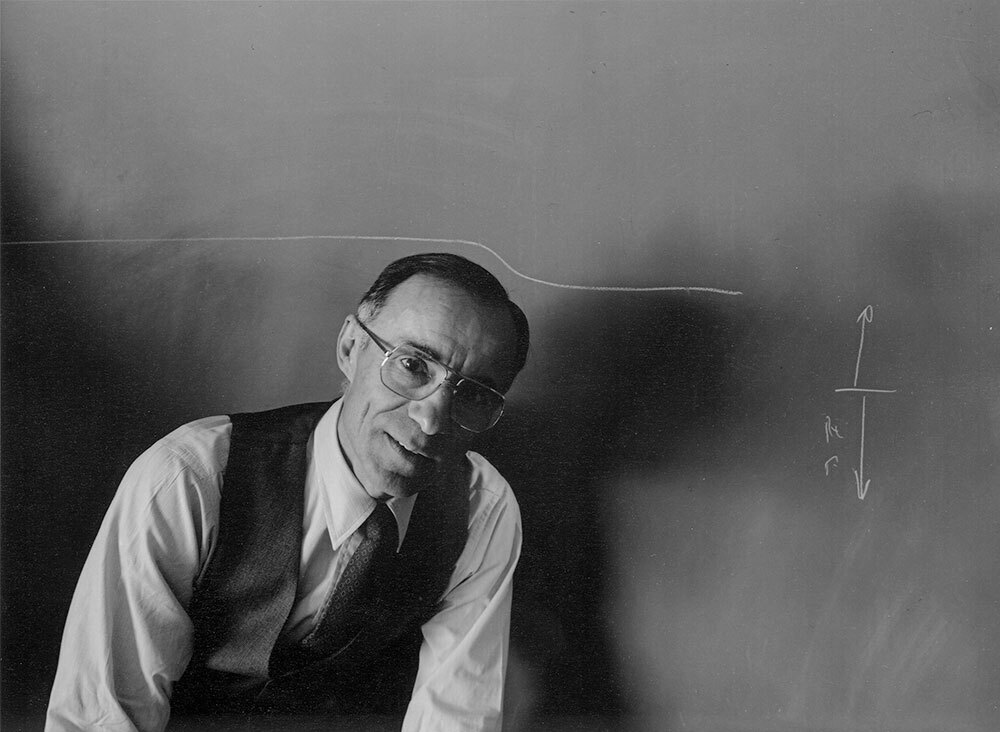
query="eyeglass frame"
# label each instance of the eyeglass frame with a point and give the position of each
(387, 352)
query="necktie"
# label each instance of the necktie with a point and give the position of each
(350, 600)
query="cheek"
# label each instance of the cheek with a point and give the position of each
(357, 410)
(377, 408)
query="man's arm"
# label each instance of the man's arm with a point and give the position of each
(128, 636)
(463, 658)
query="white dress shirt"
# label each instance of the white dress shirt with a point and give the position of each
(128, 636)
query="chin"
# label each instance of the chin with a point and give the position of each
(398, 487)
(404, 492)
(390, 480)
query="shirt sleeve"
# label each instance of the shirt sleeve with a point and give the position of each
(128, 636)
(463, 658)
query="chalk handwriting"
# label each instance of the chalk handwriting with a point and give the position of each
(831, 430)
(834, 461)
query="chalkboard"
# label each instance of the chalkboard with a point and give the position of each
(756, 442)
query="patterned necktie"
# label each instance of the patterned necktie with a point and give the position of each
(350, 601)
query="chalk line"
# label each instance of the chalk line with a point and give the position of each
(867, 391)
(859, 477)
(420, 240)
(865, 317)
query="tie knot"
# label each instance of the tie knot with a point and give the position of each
(381, 528)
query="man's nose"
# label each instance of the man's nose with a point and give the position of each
(433, 413)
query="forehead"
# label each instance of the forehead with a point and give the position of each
(452, 325)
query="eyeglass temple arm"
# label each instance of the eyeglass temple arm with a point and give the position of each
(383, 346)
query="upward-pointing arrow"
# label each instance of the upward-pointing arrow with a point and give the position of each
(865, 317)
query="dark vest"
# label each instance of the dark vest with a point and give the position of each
(241, 662)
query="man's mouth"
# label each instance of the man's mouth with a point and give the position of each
(409, 453)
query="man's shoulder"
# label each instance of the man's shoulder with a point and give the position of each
(484, 475)
(176, 480)
(201, 445)
(488, 489)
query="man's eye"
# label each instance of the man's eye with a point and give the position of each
(413, 365)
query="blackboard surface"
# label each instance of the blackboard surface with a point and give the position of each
(757, 444)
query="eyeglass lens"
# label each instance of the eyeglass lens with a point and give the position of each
(474, 407)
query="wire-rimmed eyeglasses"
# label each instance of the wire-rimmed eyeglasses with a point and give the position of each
(411, 373)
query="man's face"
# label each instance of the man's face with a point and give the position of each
(396, 446)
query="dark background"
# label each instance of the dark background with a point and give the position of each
(186, 188)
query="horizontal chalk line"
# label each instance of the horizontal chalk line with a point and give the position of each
(867, 391)
(421, 240)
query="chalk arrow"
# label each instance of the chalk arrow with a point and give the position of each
(862, 490)
(859, 474)
(865, 317)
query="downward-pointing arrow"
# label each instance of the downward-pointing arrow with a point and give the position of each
(859, 475)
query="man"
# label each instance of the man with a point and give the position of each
(351, 558)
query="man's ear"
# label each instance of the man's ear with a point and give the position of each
(348, 347)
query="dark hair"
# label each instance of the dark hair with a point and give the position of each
(457, 271)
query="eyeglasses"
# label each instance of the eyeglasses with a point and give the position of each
(412, 374)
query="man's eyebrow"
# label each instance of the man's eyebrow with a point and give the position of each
(423, 348)
(429, 351)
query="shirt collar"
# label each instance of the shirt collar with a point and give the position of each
(346, 504)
